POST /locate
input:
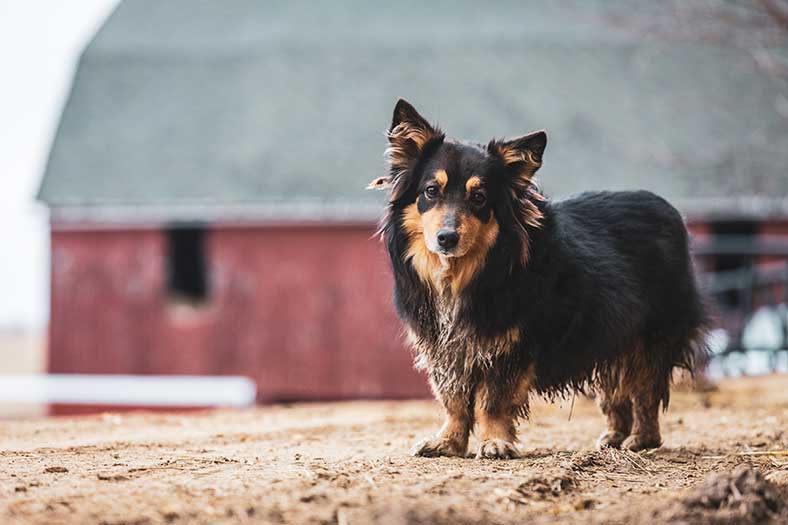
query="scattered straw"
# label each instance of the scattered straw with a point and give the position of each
(371, 481)
(750, 453)
(572, 406)
(629, 458)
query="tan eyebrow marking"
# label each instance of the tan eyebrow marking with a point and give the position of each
(441, 177)
(473, 183)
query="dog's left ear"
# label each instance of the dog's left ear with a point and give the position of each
(523, 155)
(521, 158)
(409, 137)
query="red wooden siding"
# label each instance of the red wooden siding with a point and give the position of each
(304, 311)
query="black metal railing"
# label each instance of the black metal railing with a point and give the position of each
(739, 293)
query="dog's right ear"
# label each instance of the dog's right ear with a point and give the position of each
(523, 155)
(409, 136)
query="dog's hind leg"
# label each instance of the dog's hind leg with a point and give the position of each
(648, 386)
(645, 430)
(497, 406)
(617, 409)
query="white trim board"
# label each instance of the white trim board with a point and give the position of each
(128, 390)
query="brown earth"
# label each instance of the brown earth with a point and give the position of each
(348, 463)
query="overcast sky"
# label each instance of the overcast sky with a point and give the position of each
(40, 42)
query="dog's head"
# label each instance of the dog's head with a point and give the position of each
(454, 196)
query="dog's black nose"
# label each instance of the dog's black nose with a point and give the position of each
(448, 239)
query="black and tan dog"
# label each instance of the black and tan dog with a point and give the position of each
(504, 293)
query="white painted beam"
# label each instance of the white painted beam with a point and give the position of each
(128, 390)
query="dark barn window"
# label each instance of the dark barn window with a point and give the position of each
(187, 263)
(742, 233)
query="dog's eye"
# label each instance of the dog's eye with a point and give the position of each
(478, 198)
(431, 192)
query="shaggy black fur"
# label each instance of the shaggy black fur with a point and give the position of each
(606, 269)
(608, 275)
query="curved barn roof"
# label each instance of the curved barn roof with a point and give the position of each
(200, 109)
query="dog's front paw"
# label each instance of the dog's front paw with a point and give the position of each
(637, 442)
(497, 449)
(438, 446)
(610, 439)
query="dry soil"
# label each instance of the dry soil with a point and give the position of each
(723, 461)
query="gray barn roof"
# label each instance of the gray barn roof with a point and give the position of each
(275, 110)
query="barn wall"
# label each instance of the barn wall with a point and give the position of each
(305, 311)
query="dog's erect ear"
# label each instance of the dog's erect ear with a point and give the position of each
(409, 135)
(522, 155)
(406, 114)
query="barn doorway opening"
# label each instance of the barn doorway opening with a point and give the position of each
(187, 267)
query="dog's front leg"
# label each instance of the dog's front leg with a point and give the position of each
(452, 439)
(497, 405)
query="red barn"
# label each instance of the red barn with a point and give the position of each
(205, 183)
(304, 309)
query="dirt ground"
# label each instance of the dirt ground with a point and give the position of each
(348, 463)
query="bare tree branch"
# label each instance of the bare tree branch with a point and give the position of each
(777, 12)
